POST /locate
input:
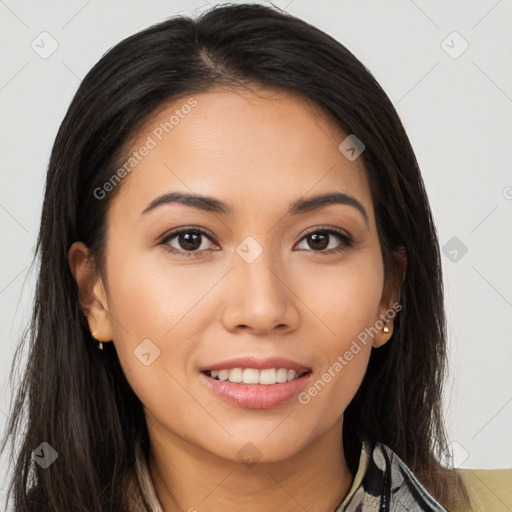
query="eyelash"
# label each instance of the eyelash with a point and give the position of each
(347, 241)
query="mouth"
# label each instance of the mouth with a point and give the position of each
(265, 377)
(256, 383)
(254, 388)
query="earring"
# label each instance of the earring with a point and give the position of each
(97, 342)
(385, 328)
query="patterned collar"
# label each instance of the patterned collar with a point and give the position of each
(382, 483)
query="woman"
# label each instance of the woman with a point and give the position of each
(234, 211)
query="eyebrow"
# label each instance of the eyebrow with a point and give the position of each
(210, 204)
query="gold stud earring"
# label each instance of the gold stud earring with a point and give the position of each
(385, 328)
(97, 342)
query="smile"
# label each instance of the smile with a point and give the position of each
(267, 377)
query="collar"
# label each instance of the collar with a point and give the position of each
(148, 489)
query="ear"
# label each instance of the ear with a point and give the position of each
(390, 300)
(91, 292)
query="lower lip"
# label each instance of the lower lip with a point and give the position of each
(256, 396)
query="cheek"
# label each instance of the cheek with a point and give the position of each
(154, 335)
(157, 314)
(345, 298)
(347, 303)
(153, 298)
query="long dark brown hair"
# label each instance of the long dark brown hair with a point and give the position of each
(75, 397)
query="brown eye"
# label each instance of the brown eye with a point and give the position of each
(319, 240)
(324, 241)
(187, 240)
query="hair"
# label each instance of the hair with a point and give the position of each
(75, 397)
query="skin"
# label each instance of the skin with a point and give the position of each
(258, 152)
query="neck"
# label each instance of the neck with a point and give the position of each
(188, 478)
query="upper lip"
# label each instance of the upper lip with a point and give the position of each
(258, 364)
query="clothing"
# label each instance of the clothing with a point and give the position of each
(383, 483)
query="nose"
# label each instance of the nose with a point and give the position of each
(259, 297)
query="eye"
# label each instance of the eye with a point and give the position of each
(320, 240)
(187, 241)
(194, 241)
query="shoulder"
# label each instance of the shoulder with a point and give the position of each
(384, 482)
(400, 485)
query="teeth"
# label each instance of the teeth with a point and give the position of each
(268, 376)
(253, 376)
(282, 375)
(235, 375)
(250, 376)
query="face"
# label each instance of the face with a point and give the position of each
(255, 277)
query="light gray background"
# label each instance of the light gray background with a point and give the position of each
(457, 112)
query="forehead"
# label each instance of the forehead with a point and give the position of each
(247, 148)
